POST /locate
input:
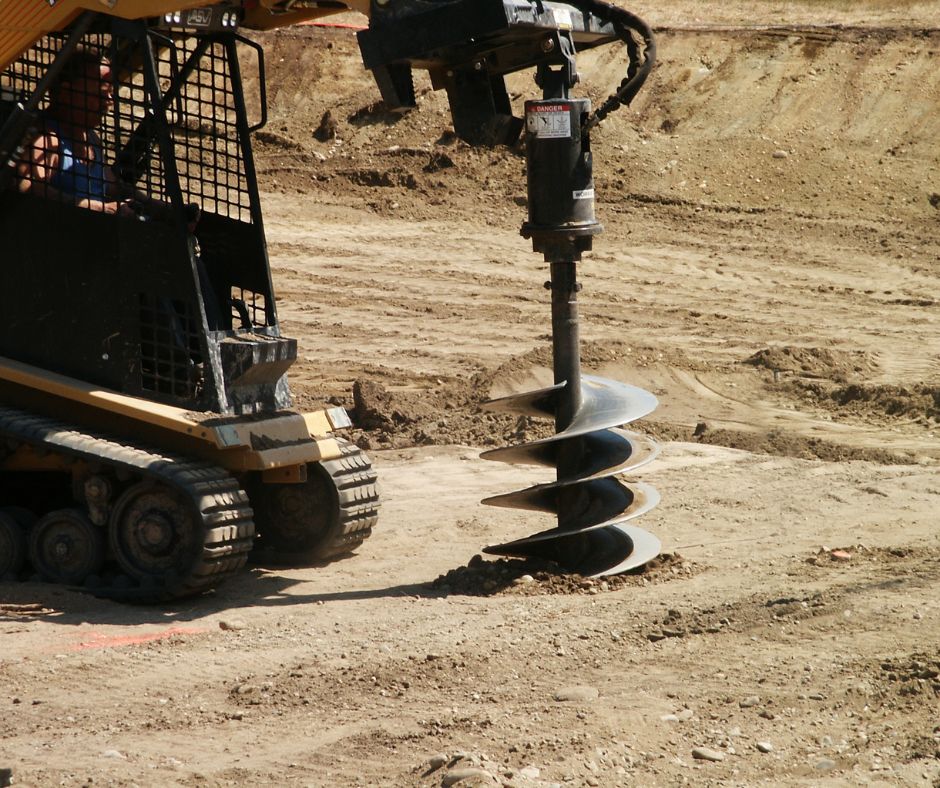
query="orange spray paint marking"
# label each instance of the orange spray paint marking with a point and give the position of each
(116, 641)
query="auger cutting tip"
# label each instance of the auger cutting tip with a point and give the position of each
(597, 553)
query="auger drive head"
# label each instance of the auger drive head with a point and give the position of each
(469, 47)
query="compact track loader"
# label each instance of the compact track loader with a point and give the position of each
(147, 443)
(146, 436)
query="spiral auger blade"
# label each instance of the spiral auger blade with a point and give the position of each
(594, 509)
(593, 535)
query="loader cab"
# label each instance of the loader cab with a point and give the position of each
(143, 298)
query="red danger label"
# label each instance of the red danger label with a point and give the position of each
(548, 108)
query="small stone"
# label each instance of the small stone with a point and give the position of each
(816, 696)
(767, 715)
(669, 718)
(671, 632)
(825, 765)
(685, 714)
(523, 580)
(653, 637)
(780, 154)
(455, 776)
(531, 772)
(749, 701)
(707, 754)
(114, 754)
(841, 555)
(765, 746)
(436, 761)
(232, 625)
(576, 694)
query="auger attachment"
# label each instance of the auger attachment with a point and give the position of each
(593, 508)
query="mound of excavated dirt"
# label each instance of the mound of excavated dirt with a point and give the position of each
(839, 365)
(448, 412)
(533, 577)
(774, 442)
(419, 411)
(920, 404)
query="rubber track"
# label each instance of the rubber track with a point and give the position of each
(358, 495)
(216, 499)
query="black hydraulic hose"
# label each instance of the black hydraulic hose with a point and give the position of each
(625, 24)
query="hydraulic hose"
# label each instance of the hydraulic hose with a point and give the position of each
(629, 27)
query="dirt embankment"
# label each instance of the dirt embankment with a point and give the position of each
(803, 150)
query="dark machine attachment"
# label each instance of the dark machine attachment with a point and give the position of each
(592, 535)
(469, 46)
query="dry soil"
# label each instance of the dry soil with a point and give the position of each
(769, 270)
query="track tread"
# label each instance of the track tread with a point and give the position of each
(357, 501)
(215, 497)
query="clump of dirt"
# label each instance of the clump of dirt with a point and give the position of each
(839, 365)
(920, 402)
(378, 409)
(326, 130)
(536, 577)
(676, 624)
(444, 413)
(774, 442)
(860, 553)
(918, 674)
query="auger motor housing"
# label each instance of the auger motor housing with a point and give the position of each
(560, 178)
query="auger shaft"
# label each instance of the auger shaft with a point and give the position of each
(566, 341)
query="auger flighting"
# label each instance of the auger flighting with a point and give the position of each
(593, 536)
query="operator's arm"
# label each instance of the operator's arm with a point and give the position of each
(38, 168)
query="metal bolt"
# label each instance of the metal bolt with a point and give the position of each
(548, 44)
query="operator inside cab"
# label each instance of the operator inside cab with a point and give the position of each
(65, 160)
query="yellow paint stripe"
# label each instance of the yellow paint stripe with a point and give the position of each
(166, 416)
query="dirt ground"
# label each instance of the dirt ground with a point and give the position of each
(769, 270)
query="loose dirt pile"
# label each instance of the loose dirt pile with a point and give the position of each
(532, 577)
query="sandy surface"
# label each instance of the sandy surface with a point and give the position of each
(769, 271)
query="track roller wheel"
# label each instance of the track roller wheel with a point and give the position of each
(327, 516)
(12, 545)
(155, 535)
(66, 547)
